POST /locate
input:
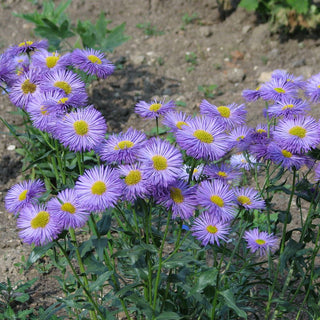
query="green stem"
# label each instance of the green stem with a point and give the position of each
(80, 162)
(60, 164)
(157, 125)
(160, 262)
(194, 164)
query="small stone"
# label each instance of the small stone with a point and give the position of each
(299, 63)
(236, 75)
(205, 31)
(11, 147)
(137, 60)
(265, 76)
(246, 29)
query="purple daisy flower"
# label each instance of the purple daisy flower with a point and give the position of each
(284, 75)
(216, 197)
(317, 172)
(196, 174)
(181, 198)
(262, 242)
(241, 137)
(260, 133)
(251, 95)
(28, 46)
(240, 161)
(25, 88)
(175, 120)
(153, 109)
(230, 116)
(223, 172)
(278, 89)
(7, 70)
(284, 157)
(66, 207)
(38, 225)
(208, 229)
(249, 198)
(82, 129)
(204, 138)
(312, 88)
(50, 60)
(288, 107)
(99, 188)
(23, 194)
(161, 162)
(122, 148)
(92, 62)
(297, 135)
(135, 184)
(64, 81)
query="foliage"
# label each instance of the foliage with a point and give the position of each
(149, 29)
(54, 24)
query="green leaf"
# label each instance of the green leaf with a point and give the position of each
(37, 253)
(168, 315)
(21, 297)
(206, 278)
(100, 245)
(249, 5)
(229, 300)
(115, 38)
(301, 6)
(104, 223)
(96, 285)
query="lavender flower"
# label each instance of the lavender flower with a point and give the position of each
(153, 109)
(249, 198)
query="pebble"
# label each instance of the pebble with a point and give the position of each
(137, 60)
(205, 31)
(246, 29)
(11, 147)
(236, 75)
(265, 76)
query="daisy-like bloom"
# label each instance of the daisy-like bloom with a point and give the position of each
(82, 129)
(251, 95)
(284, 75)
(217, 198)
(317, 172)
(161, 162)
(135, 185)
(312, 88)
(175, 120)
(262, 242)
(66, 207)
(197, 173)
(230, 116)
(260, 133)
(25, 88)
(64, 81)
(204, 138)
(7, 70)
(38, 225)
(278, 89)
(288, 107)
(28, 46)
(297, 135)
(240, 161)
(249, 198)
(99, 188)
(208, 229)
(122, 147)
(284, 157)
(50, 60)
(181, 198)
(153, 109)
(223, 172)
(92, 62)
(23, 194)
(241, 137)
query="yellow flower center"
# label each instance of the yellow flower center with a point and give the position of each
(260, 242)
(81, 127)
(258, 88)
(40, 220)
(25, 43)
(280, 90)
(99, 188)
(179, 124)
(224, 111)
(286, 153)
(212, 229)
(125, 144)
(288, 106)
(222, 174)
(94, 59)
(159, 163)
(261, 131)
(63, 100)
(64, 86)
(155, 107)
(176, 195)
(43, 111)
(244, 200)
(240, 138)
(67, 206)
(133, 177)
(217, 200)
(298, 131)
(52, 61)
(23, 195)
(28, 87)
(318, 86)
(203, 136)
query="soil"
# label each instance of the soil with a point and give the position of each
(230, 55)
